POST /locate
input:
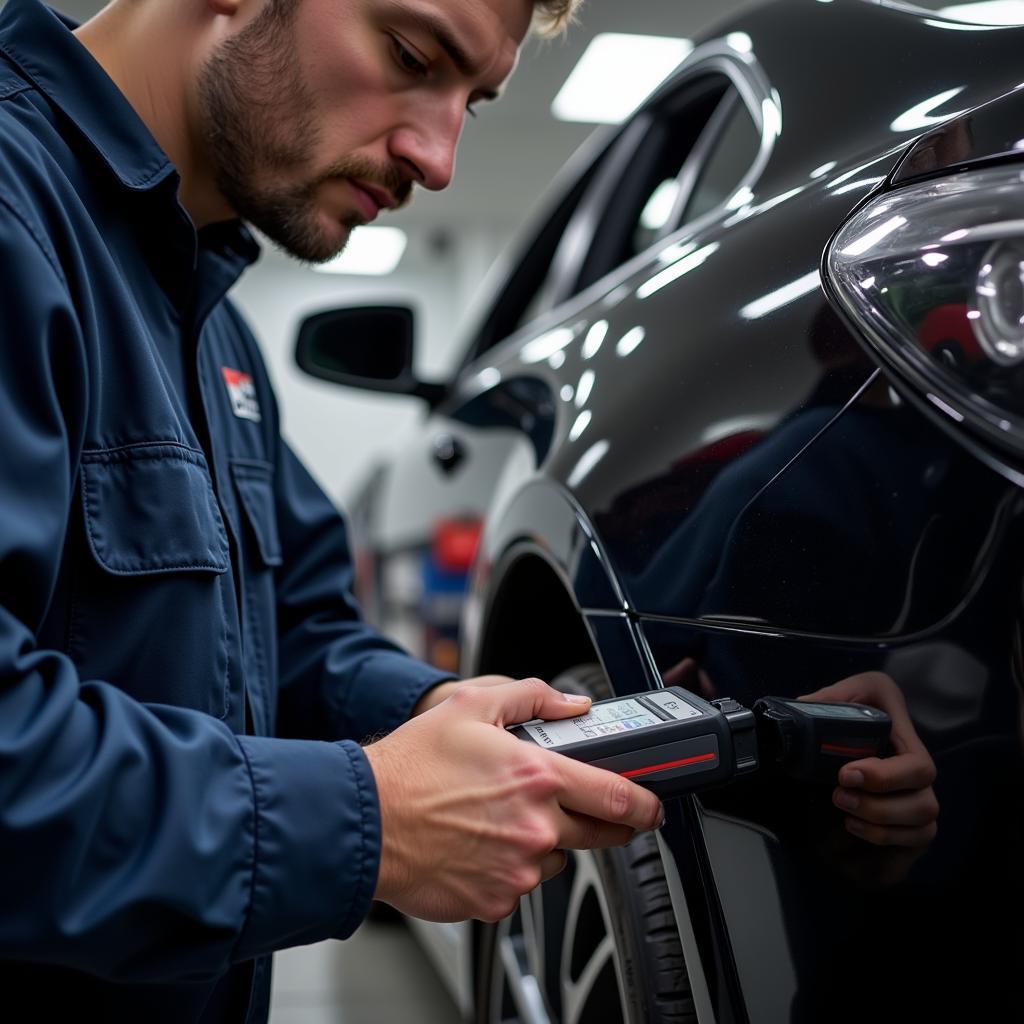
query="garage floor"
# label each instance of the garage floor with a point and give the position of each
(380, 974)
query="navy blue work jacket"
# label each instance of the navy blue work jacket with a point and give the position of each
(182, 668)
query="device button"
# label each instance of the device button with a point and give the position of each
(672, 704)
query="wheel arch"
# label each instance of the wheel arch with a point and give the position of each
(540, 574)
(534, 625)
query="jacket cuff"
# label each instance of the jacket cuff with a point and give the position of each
(316, 842)
(384, 690)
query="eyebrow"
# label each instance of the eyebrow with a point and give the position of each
(442, 32)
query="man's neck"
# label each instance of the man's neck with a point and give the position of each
(144, 49)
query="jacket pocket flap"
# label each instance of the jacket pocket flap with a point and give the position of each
(253, 480)
(150, 508)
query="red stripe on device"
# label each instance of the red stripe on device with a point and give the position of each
(834, 748)
(634, 772)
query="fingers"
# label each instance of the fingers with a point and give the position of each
(889, 774)
(442, 691)
(889, 801)
(518, 701)
(581, 832)
(874, 688)
(891, 835)
(606, 796)
(553, 864)
(913, 809)
(879, 691)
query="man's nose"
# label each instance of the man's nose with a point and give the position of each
(428, 147)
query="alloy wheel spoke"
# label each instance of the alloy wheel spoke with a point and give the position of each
(587, 952)
(576, 994)
(513, 974)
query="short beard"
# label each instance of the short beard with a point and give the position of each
(255, 117)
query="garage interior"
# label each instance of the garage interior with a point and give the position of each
(508, 157)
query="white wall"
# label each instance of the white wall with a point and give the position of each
(340, 432)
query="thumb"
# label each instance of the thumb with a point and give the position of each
(512, 703)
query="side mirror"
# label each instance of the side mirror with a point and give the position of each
(369, 347)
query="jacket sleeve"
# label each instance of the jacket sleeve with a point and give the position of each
(338, 676)
(137, 842)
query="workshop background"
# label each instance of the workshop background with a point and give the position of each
(507, 158)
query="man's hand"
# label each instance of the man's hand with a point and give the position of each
(436, 694)
(889, 801)
(472, 817)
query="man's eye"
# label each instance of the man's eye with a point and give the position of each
(407, 59)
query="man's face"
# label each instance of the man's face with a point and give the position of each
(315, 117)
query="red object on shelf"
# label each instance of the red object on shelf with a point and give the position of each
(455, 544)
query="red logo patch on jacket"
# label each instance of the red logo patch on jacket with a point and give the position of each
(242, 392)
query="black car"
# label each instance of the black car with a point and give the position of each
(751, 438)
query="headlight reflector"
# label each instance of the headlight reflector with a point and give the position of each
(932, 275)
(999, 293)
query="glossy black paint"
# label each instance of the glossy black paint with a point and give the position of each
(731, 496)
(992, 133)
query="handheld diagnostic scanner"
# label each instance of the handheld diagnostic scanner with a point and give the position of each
(669, 741)
(811, 741)
(673, 742)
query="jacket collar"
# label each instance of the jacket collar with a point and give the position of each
(41, 45)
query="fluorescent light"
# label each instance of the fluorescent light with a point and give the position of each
(676, 270)
(852, 186)
(629, 341)
(781, 296)
(990, 12)
(581, 424)
(369, 251)
(659, 206)
(861, 245)
(588, 460)
(595, 336)
(616, 73)
(920, 116)
(546, 345)
(585, 386)
(740, 42)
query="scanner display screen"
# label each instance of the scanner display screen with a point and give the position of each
(602, 720)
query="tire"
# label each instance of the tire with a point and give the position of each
(597, 944)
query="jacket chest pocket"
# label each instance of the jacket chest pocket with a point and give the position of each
(253, 482)
(152, 595)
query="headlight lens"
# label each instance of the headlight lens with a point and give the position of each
(933, 274)
(999, 307)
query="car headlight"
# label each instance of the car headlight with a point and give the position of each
(933, 277)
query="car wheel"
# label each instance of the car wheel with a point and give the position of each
(597, 944)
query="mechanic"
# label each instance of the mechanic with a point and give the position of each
(183, 671)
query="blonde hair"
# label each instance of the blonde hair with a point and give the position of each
(550, 17)
(553, 17)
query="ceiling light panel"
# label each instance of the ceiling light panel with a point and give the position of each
(616, 73)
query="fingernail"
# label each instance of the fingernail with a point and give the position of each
(575, 698)
(661, 818)
(846, 799)
(854, 825)
(852, 778)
